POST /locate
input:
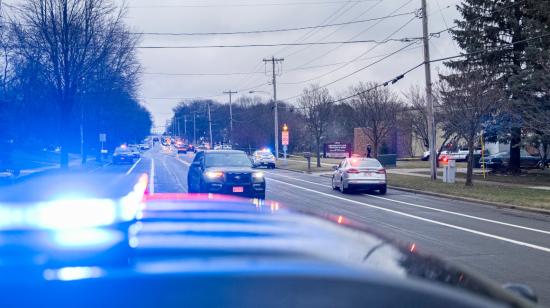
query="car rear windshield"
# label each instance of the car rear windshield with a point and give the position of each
(365, 163)
(122, 151)
(227, 160)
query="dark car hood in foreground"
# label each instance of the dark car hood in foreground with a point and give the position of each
(227, 252)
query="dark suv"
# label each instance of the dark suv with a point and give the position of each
(225, 172)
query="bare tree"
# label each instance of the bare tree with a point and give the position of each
(468, 98)
(418, 116)
(68, 39)
(316, 104)
(375, 111)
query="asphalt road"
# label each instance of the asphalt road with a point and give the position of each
(503, 244)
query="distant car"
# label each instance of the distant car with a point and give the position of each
(123, 155)
(227, 147)
(225, 172)
(135, 150)
(501, 160)
(359, 174)
(182, 148)
(144, 147)
(459, 156)
(263, 158)
(192, 148)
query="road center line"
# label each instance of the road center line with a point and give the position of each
(152, 178)
(434, 209)
(133, 167)
(488, 235)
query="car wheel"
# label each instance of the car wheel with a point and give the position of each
(383, 190)
(342, 188)
(334, 187)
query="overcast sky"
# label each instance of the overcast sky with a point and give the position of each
(160, 93)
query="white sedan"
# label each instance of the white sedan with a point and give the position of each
(358, 173)
(263, 158)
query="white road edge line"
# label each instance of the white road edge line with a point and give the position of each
(434, 209)
(133, 167)
(504, 239)
(152, 178)
(182, 161)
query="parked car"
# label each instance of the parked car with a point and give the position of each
(144, 147)
(359, 174)
(426, 155)
(123, 155)
(502, 159)
(263, 158)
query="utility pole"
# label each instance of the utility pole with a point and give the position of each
(210, 126)
(429, 95)
(195, 128)
(230, 114)
(274, 61)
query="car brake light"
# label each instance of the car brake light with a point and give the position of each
(353, 171)
(381, 171)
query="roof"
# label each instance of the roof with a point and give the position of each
(225, 151)
(219, 245)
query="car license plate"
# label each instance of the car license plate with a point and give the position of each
(367, 173)
(238, 189)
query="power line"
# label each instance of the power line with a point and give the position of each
(303, 3)
(204, 74)
(436, 34)
(335, 14)
(272, 30)
(406, 39)
(358, 57)
(263, 72)
(355, 36)
(336, 30)
(403, 74)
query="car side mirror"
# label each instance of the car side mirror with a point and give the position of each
(522, 290)
(334, 168)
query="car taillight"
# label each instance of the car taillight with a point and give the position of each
(354, 171)
(381, 171)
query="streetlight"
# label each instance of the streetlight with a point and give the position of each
(276, 121)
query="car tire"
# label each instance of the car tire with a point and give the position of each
(342, 188)
(383, 190)
(334, 187)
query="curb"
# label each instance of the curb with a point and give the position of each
(472, 200)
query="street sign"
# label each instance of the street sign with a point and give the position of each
(285, 138)
(102, 137)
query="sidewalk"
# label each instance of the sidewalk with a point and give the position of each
(416, 172)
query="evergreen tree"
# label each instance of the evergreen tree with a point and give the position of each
(492, 32)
